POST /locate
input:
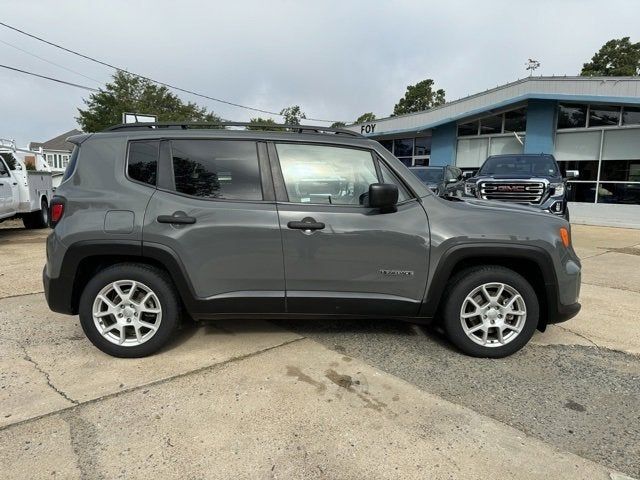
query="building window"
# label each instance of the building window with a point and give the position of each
(403, 147)
(388, 144)
(422, 146)
(515, 120)
(620, 170)
(587, 170)
(581, 192)
(630, 115)
(468, 129)
(572, 116)
(491, 125)
(604, 116)
(511, 121)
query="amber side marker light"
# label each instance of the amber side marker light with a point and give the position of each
(564, 235)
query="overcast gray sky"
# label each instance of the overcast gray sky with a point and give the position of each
(336, 59)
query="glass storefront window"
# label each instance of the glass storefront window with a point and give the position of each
(604, 116)
(491, 125)
(627, 193)
(421, 162)
(405, 160)
(631, 115)
(388, 144)
(587, 170)
(403, 147)
(572, 116)
(422, 146)
(581, 192)
(467, 129)
(620, 170)
(515, 121)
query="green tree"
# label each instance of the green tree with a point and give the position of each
(292, 115)
(262, 121)
(419, 97)
(128, 93)
(366, 117)
(616, 58)
(338, 125)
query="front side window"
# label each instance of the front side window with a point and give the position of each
(3, 169)
(217, 169)
(143, 161)
(324, 174)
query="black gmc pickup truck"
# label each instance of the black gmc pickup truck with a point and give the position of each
(529, 179)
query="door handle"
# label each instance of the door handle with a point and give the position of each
(307, 223)
(176, 219)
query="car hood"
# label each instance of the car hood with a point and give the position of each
(513, 177)
(497, 205)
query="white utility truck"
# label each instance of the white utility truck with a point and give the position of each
(25, 185)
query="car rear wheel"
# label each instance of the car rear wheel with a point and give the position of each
(490, 311)
(38, 219)
(129, 310)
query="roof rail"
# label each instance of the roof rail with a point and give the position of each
(222, 125)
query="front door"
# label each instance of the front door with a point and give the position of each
(7, 204)
(340, 256)
(214, 209)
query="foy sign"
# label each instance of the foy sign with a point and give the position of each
(368, 128)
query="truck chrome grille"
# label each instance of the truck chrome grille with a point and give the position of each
(516, 192)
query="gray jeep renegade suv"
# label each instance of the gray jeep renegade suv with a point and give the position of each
(155, 223)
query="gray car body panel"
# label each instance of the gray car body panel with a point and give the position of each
(238, 251)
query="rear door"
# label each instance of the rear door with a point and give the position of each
(214, 210)
(345, 257)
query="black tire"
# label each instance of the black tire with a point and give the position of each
(463, 284)
(158, 282)
(39, 219)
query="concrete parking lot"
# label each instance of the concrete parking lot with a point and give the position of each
(254, 399)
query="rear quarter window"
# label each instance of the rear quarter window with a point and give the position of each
(143, 161)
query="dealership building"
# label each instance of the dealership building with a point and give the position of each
(590, 124)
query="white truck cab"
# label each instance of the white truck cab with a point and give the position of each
(25, 185)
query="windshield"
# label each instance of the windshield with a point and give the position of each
(520, 165)
(429, 175)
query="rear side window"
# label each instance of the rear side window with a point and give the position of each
(217, 169)
(143, 161)
(72, 164)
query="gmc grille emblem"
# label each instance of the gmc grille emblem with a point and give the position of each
(511, 188)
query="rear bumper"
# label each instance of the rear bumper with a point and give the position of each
(58, 293)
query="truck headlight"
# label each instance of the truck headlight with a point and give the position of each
(558, 188)
(470, 189)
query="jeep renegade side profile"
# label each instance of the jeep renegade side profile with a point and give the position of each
(156, 223)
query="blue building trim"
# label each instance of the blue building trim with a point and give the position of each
(541, 124)
(443, 144)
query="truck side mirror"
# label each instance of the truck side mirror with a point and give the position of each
(571, 174)
(383, 195)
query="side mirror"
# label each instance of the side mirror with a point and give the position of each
(452, 180)
(383, 195)
(572, 174)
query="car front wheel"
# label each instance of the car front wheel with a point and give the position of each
(490, 311)
(129, 310)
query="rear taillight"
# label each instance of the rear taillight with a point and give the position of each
(56, 212)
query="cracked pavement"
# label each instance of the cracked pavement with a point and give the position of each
(254, 399)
